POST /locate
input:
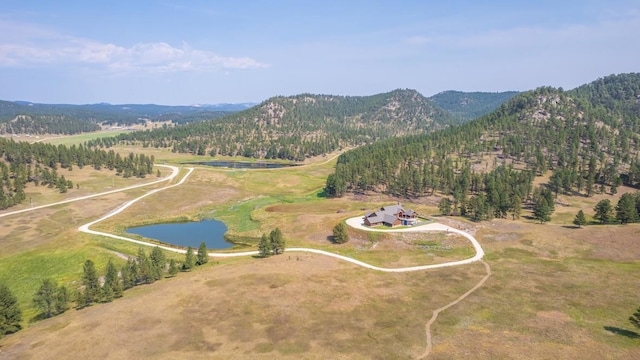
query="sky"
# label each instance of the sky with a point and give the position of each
(206, 52)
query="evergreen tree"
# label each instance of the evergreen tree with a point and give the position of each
(158, 263)
(173, 268)
(264, 246)
(203, 255)
(81, 299)
(129, 275)
(106, 292)
(604, 211)
(145, 268)
(189, 260)
(580, 220)
(90, 282)
(46, 298)
(112, 280)
(276, 241)
(634, 319)
(445, 206)
(542, 204)
(626, 211)
(516, 207)
(62, 300)
(340, 234)
(10, 314)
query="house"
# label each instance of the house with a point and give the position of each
(392, 215)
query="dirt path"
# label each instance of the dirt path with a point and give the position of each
(174, 173)
(354, 222)
(439, 310)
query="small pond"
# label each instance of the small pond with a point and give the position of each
(242, 164)
(186, 233)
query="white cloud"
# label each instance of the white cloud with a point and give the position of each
(33, 46)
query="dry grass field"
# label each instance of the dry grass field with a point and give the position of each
(555, 291)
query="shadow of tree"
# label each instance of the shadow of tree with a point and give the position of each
(39, 317)
(624, 332)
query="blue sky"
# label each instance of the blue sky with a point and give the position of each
(195, 52)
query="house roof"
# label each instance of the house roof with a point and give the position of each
(387, 214)
(392, 209)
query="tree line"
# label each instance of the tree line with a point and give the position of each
(486, 167)
(29, 118)
(297, 127)
(626, 211)
(37, 163)
(53, 299)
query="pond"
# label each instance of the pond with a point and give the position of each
(242, 164)
(185, 234)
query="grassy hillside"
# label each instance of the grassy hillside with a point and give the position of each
(300, 126)
(588, 138)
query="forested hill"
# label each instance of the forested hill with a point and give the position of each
(471, 105)
(299, 126)
(31, 118)
(22, 163)
(589, 138)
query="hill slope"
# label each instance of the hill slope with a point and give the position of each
(304, 125)
(22, 117)
(470, 105)
(588, 136)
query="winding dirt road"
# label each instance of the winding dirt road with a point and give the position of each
(355, 222)
(174, 173)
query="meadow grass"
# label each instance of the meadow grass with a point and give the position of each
(78, 139)
(548, 280)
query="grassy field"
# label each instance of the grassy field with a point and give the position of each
(556, 291)
(78, 139)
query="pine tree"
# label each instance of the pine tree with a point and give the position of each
(189, 260)
(626, 211)
(580, 219)
(276, 241)
(145, 268)
(10, 314)
(264, 246)
(90, 282)
(173, 268)
(158, 263)
(445, 206)
(340, 234)
(128, 274)
(542, 204)
(635, 318)
(46, 298)
(203, 255)
(112, 280)
(516, 207)
(62, 299)
(106, 293)
(81, 299)
(603, 211)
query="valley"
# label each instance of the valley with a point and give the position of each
(554, 288)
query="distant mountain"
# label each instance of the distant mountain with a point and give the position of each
(33, 118)
(589, 138)
(227, 106)
(303, 125)
(471, 105)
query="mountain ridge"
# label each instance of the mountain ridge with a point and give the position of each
(298, 126)
(587, 136)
